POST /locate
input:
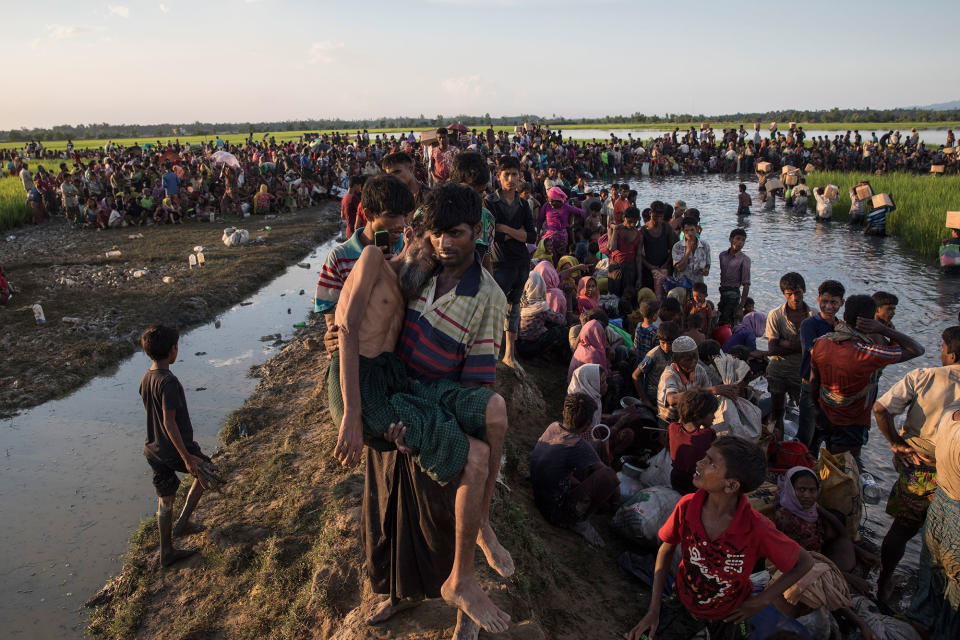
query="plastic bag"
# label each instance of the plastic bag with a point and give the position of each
(657, 473)
(641, 517)
(764, 498)
(840, 488)
(234, 237)
(885, 627)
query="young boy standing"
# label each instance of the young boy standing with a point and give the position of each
(829, 300)
(170, 446)
(721, 538)
(783, 339)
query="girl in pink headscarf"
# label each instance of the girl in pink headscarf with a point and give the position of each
(554, 219)
(588, 294)
(555, 298)
(591, 348)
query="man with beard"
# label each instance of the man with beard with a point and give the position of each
(439, 440)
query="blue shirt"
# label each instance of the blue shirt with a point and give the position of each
(811, 329)
(171, 183)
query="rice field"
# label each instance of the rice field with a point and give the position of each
(14, 211)
(922, 203)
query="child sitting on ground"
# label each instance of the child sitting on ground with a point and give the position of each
(646, 376)
(569, 480)
(170, 446)
(721, 538)
(690, 436)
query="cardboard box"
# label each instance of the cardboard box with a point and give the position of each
(791, 179)
(953, 219)
(809, 168)
(764, 167)
(864, 191)
(789, 168)
(773, 184)
(882, 200)
(949, 150)
(937, 168)
(830, 191)
(428, 138)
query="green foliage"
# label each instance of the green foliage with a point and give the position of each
(921, 202)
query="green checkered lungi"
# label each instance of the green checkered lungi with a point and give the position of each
(438, 414)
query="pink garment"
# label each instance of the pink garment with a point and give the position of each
(555, 298)
(584, 302)
(591, 348)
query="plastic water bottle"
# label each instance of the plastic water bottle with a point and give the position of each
(38, 313)
(871, 491)
(192, 260)
(113, 254)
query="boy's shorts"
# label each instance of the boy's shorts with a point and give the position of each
(848, 436)
(782, 384)
(165, 480)
(677, 623)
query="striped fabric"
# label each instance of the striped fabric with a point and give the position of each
(333, 274)
(457, 336)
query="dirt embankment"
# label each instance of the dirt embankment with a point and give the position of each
(96, 308)
(281, 557)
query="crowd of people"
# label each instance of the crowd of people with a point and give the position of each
(267, 176)
(459, 258)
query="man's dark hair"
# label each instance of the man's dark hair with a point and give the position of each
(356, 181)
(508, 162)
(700, 287)
(449, 205)
(688, 221)
(668, 331)
(631, 212)
(883, 298)
(744, 460)
(631, 195)
(158, 340)
(792, 281)
(597, 314)
(395, 159)
(672, 305)
(694, 213)
(951, 337)
(386, 195)
(578, 410)
(858, 306)
(738, 232)
(649, 308)
(471, 169)
(595, 206)
(708, 350)
(695, 321)
(831, 288)
(696, 404)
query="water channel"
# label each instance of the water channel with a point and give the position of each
(73, 484)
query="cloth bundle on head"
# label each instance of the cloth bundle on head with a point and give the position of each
(556, 193)
(586, 380)
(591, 348)
(754, 321)
(555, 298)
(684, 344)
(584, 302)
(534, 298)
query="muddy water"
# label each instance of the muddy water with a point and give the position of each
(73, 484)
(780, 241)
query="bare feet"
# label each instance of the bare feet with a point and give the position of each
(466, 629)
(471, 600)
(171, 556)
(187, 527)
(386, 610)
(498, 558)
(585, 529)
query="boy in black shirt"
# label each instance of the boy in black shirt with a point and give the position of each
(170, 446)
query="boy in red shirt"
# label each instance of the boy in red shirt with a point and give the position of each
(721, 538)
(844, 368)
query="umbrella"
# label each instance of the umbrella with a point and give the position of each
(462, 128)
(224, 157)
(170, 156)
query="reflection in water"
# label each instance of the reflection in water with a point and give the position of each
(73, 483)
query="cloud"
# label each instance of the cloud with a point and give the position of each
(118, 10)
(164, 8)
(465, 86)
(320, 51)
(63, 31)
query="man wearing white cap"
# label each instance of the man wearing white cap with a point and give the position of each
(685, 372)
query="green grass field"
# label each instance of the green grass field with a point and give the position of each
(665, 126)
(922, 203)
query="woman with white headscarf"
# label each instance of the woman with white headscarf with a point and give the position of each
(540, 326)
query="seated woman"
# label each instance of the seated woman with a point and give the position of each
(556, 300)
(261, 202)
(540, 326)
(746, 333)
(588, 294)
(570, 482)
(690, 436)
(591, 348)
(798, 515)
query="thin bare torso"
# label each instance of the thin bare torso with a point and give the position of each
(373, 284)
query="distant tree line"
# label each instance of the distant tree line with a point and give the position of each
(166, 130)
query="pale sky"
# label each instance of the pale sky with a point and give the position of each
(70, 62)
